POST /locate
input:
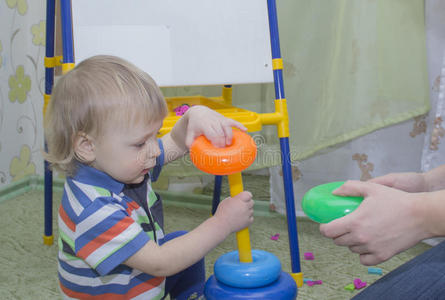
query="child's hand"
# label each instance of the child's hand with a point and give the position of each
(236, 213)
(386, 222)
(409, 182)
(214, 126)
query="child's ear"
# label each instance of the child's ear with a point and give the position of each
(84, 148)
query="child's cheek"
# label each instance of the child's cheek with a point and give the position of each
(142, 156)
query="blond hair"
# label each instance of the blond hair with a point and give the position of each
(98, 92)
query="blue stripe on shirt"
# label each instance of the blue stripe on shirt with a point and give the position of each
(114, 288)
(78, 193)
(101, 227)
(123, 253)
(66, 206)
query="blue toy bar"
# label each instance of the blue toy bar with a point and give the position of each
(284, 144)
(49, 80)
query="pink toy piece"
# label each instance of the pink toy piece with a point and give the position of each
(308, 256)
(275, 237)
(313, 282)
(359, 284)
(180, 110)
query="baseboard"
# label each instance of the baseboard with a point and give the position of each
(26, 184)
(169, 198)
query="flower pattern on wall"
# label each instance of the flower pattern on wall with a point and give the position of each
(23, 38)
(437, 133)
(19, 85)
(22, 166)
(21, 5)
(419, 126)
(365, 167)
(39, 33)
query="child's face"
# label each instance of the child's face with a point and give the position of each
(128, 154)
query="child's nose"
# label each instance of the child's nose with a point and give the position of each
(153, 148)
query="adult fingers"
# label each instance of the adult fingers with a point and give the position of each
(359, 249)
(353, 188)
(387, 180)
(335, 228)
(369, 259)
(346, 239)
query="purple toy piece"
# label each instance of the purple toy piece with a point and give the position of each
(180, 110)
(308, 256)
(359, 284)
(313, 282)
(275, 237)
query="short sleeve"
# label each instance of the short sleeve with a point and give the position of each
(107, 235)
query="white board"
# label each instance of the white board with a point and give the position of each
(179, 42)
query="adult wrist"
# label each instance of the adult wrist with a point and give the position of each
(430, 209)
(427, 187)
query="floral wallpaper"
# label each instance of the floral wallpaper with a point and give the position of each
(22, 50)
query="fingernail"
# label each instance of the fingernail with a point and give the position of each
(336, 191)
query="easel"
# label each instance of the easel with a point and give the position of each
(223, 104)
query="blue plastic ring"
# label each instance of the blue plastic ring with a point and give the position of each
(284, 288)
(265, 269)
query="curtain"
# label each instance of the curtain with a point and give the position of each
(413, 145)
(22, 49)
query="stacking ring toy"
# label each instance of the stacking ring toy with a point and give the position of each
(322, 206)
(265, 269)
(284, 288)
(227, 160)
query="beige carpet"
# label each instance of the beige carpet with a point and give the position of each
(28, 268)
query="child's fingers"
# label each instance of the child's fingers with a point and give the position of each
(251, 205)
(189, 140)
(233, 123)
(245, 196)
(215, 135)
(228, 134)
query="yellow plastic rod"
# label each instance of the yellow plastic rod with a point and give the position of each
(242, 236)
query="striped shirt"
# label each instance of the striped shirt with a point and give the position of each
(99, 229)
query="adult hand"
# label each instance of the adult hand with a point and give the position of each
(386, 222)
(409, 182)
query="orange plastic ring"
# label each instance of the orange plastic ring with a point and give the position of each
(224, 161)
